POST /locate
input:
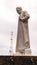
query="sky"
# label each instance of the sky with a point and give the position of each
(9, 23)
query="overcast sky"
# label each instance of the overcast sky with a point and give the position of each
(9, 23)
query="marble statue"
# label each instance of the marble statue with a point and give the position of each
(23, 31)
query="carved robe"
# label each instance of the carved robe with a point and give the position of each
(22, 34)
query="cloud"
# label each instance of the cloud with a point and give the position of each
(9, 23)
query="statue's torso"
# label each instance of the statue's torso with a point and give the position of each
(22, 35)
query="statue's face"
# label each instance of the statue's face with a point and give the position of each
(19, 10)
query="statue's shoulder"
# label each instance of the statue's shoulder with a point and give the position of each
(24, 12)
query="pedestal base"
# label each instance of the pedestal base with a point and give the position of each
(28, 51)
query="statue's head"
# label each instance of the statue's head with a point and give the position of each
(19, 10)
